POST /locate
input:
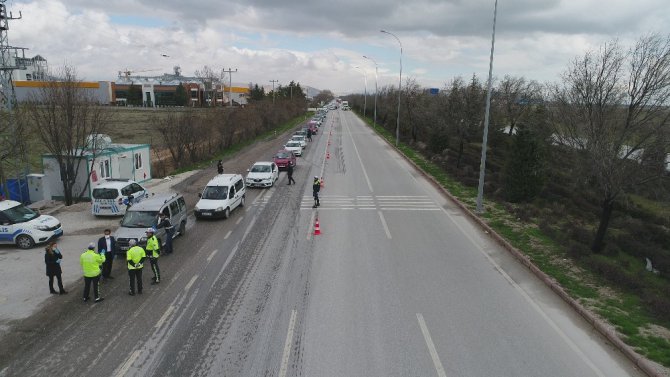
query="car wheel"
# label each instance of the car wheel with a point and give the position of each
(182, 228)
(244, 199)
(226, 213)
(24, 242)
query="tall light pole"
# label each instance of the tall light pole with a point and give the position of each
(397, 126)
(374, 122)
(482, 165)
(230, 86)
(273, 90)
(365, 99)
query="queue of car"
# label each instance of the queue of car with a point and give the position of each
(224, 193)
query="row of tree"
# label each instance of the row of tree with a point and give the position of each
(608, 113)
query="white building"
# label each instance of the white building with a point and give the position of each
(32, 69)
(132, 161)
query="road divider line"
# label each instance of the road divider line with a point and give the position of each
(431, 346)
(190, 283)
(126, 366)
(386, 227)
(365, 173)
(211, 255)
(228, 234)
(164, 317)
(287, 345)
(239, 220)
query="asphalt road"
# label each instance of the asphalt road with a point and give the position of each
(399, 283)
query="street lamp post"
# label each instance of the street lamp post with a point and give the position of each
(397, 126)
(365, 99)
(273, 90)
(482, 165)
(374, 121)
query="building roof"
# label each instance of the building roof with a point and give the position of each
(111, 149)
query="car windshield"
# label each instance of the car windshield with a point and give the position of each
(19, 214)
(260, 169)
(215, 192)
(139, 219)
(293, 144)
(282, 155)
(105, 193)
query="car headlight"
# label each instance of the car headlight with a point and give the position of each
(219, 209)
(41, 227)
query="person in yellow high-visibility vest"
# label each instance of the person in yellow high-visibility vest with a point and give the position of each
(135, 257)
(91, 263)
(154, 252)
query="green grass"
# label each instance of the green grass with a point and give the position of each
(625, 311)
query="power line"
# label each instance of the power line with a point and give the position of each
(230, 86)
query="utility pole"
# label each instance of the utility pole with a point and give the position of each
(273, 90)
(230, 85)
(9, 62)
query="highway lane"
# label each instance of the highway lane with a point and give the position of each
(401, 285)
(397, 284)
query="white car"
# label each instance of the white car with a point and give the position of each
(24, 227)
(262, 174)
(110, 196)
(221, 196)
(300, 139)
(294, 146)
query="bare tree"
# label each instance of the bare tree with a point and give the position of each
(210, 78)
(65, 115)
(12, 145)
(515, 97)
(611, 106)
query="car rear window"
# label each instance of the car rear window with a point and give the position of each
(282, 155)
(105, 193)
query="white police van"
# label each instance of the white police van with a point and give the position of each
(109, 196)
(24, 227)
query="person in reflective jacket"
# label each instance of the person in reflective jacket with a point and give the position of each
(135, 258)
(154, 251)
(91, 263)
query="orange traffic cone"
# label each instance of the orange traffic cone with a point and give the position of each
(317, 229)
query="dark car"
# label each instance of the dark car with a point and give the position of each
(283, 158)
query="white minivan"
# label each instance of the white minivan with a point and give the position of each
(24, 227)
(110, 196)
(221, 196)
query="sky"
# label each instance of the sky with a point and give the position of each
(320, 43)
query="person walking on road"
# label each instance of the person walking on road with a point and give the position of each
(108, 244)
(309, 134)
(164, 222)
(316, 187)
(135, 257)
(219, 167)
(90, 263)
(52, 259)
(289, 173)
(153, 249)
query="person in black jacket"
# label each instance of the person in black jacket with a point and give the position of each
(219, 167)
(316, 187)
(107, 243)
(52, 259)
(289, 173)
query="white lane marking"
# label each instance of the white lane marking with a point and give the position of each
(239, 220)
(230, 257)
(190, 283)
(386, 227)
(248, 209)
(228, 234)
(246, 232)
(311, 224)
(126, 366)
(211, 255)
(528, 299)
(165, 316)
(365, 173)
(287, 345)
(431, 346)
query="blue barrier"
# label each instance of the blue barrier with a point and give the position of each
(17, 189)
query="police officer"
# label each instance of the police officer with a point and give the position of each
(316, 187)
(135, 257)
(164, 222)
(91, 263)
(289, 173)
(154, 251)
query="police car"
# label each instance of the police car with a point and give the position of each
(109, 198)
(24, 227)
